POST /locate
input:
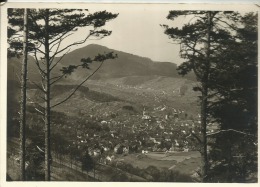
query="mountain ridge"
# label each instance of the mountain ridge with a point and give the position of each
(126, 64)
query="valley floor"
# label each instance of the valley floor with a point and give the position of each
(70, 170)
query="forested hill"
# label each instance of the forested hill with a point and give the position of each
(125, 65)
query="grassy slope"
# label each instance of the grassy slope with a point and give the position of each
(59, 172)
(139, 92)
(185, 163)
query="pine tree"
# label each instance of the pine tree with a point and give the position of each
(23, 99)
(21, 50)
(235, 108)
(201, 38)
(49, 28)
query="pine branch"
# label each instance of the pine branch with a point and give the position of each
(60, 39)
(40, 88)
(228, 130)
(39, 149)
(55, 53)
(41, 71)
(195, 136)
(19, 78)
(39, 111)
(76, 43)
(40, 51)
(17, 38)
(39, 45)
(231, 26)
(78, 86)
(37, 26)
(43, 87)
(57, 78)
(58, 47)
(56, 63)
(193, 49)
(193, 62)
(42, 98)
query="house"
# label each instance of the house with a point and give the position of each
(90, 151)
(109, 158)
(172, 149)
(155, 148)
(96, 152)
(159, 150)
(176, 143)
(118, 149)
(164, 108)
(161, 126)
(164, 149)
(133, 148)
(126, 150)
(157, 141)
(106, 149)
(103, 122)
(146, 117)
(186, 150)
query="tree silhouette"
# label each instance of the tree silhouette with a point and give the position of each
(48, 30)
(235, 108)
(87, 162)
(23, 98)
(24, 51)
(205, 37)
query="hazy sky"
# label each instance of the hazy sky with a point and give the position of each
(137, 30)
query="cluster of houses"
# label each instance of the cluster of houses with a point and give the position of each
(156, 130)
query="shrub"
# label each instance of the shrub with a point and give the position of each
(127, 107)
(119, 176)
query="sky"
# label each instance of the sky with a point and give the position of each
(137, 30)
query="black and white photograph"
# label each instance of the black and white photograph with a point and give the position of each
(162, 93)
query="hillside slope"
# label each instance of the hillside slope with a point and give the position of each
(125, 65)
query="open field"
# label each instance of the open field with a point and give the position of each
(184, 162)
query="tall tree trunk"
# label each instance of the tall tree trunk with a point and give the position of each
(204, 155)
(47, 117)
(23, 98)
(229, 161)
(204, 102)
